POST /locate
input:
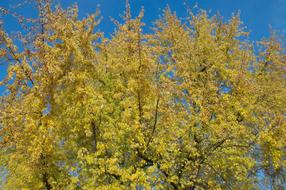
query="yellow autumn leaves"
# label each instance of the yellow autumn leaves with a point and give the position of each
(190, 105)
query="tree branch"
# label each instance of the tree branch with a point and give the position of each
(155, 123)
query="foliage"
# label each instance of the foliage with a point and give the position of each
(187, 106)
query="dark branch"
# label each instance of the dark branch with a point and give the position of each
(155, 122)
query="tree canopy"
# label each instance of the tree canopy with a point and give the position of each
(193, 104)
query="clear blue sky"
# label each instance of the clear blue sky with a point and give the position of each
(257, 15)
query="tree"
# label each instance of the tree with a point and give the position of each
(187, 106)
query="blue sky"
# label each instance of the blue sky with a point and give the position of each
(257, 15)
